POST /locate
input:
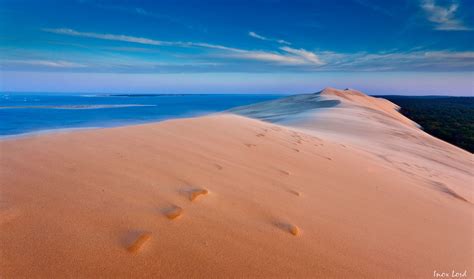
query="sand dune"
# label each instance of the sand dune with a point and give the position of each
(339, 185)
(374, 126)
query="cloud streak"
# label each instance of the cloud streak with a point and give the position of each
(219, 58)
(444, 17)
(257, 61)
(308, 56)
(278, 58)
(263, 38)
(130, 39)
(289, 56)
(45, 63)
(417, 60)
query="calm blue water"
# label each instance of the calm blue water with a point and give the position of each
(20, 113)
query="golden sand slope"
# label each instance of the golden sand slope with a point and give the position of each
(228, 196)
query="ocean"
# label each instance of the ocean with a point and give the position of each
(34, 113)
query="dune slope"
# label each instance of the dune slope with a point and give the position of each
(375, 126)
(229, 196)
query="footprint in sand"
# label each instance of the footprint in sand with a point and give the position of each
(296, 193)
(296, 149)
(284, 172)
(137, 245)
(173, 212)
(260, 135)
(195, 193)
(219, 167)
(292, 229)
(250, 145)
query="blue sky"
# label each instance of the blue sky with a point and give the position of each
(229, 46)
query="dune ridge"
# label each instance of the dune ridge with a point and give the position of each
(375, 126)
(334, 184)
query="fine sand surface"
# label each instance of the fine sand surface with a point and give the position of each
(338, 185)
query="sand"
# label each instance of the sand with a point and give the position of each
(338, 185)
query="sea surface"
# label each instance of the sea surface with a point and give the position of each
(25, 113)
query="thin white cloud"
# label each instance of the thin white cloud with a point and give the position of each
(263, 38)
(444, 17)
(417, 60)
(256, 61)
(227, 58)
(450, 54)
(283, 42)
(270, 57)
(46, 63)
(141, 11)
(289, 57)
(257, 36)
(131, 39)
(111, 37)
(306, 55)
